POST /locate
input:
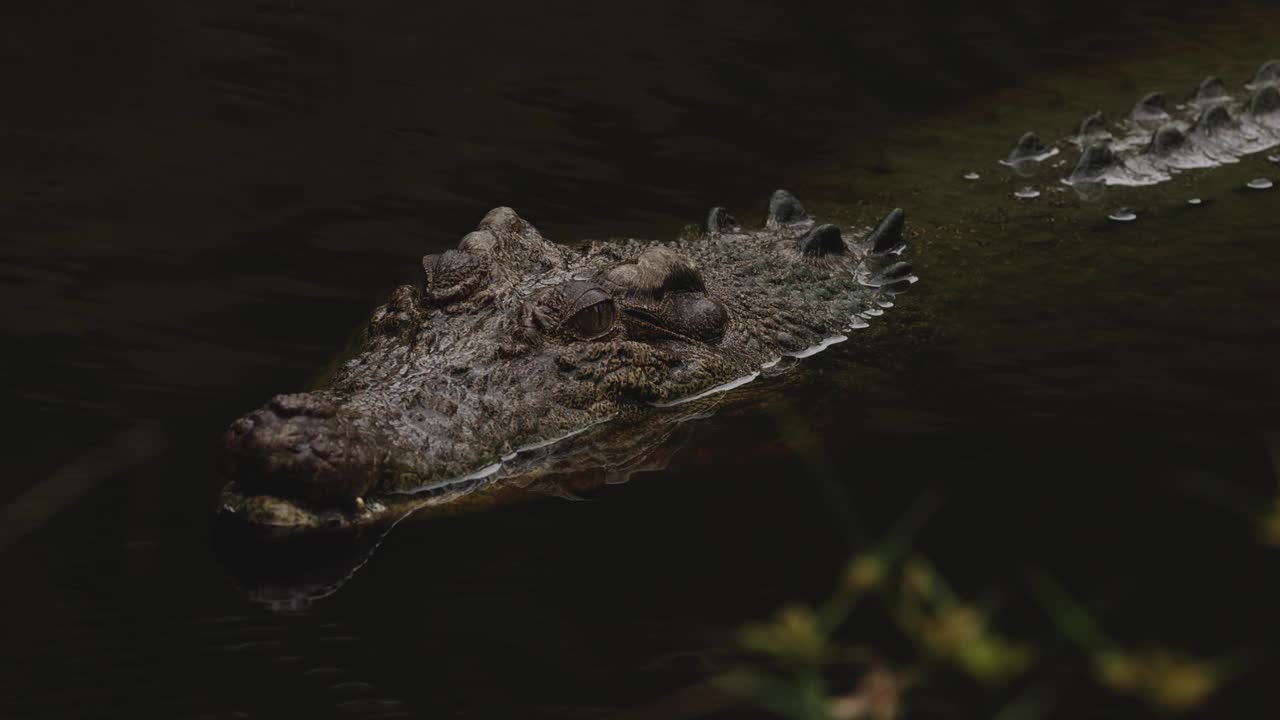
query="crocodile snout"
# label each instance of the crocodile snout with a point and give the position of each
(301, 446)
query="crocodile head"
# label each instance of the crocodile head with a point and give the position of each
(511, 342)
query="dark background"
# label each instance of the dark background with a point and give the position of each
(202, 201)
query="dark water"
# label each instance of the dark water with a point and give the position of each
(202, 201)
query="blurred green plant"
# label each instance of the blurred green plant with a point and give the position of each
(799, 664)
(806, 662)
(1241, 501)
(1164, 678)
(1269, 525)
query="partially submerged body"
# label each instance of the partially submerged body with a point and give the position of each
(513, 346)
(1156, 141)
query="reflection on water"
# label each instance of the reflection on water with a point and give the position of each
(203, 200)
(289, 569)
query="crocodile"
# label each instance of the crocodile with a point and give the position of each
(510, 347)
(1156, 141)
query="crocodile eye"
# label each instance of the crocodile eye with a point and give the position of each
(589, 312)
(594, 320)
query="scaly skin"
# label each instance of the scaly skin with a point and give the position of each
(511, 343)
(1217, 125)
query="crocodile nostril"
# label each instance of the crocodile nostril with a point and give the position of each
(298, 446)
(242, 426)
(301, 404)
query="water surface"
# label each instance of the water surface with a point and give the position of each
(202, 201)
